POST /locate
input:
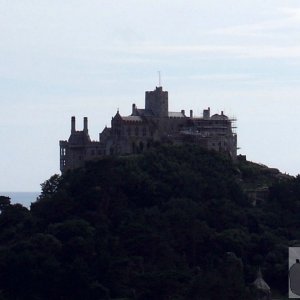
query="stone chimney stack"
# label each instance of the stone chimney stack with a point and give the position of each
(183, 112)
(73, 124)
(85, 124)
(133, 109)
(191, 113)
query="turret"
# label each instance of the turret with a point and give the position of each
(206, 113)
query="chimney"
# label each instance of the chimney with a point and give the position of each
(85, 124)
(183, 112)
(133, 109)
(73, 126)
(191, 113)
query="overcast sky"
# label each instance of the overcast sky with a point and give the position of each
(88, 58)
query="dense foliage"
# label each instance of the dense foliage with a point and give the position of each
(173, 223)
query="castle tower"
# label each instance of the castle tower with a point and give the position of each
(157, 102)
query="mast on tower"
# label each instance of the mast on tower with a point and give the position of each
(159, 79)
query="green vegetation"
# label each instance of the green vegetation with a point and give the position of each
(173, 223)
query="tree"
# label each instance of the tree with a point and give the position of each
(4, 202)
(50, 186)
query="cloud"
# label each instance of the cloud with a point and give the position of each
(223, 77)
(282, 19)
(292, 13)
(210, 50)
(255, 29)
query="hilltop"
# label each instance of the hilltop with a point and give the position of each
(176, 222)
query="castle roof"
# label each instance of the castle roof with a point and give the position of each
(132, 119)
(176, 114)
(106, 129)
(144, 112)
(79, 138)
(219, 117)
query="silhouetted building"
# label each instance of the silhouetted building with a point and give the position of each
(144, 127)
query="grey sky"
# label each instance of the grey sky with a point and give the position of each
(87, 58)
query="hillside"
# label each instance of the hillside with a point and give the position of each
(173, 223)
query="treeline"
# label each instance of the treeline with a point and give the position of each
(173, 223)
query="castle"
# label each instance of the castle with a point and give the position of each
(145, 127)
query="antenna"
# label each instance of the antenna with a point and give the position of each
(159, 79)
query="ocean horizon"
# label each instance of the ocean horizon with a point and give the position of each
(24, 198)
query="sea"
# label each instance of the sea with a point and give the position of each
(24, 198)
